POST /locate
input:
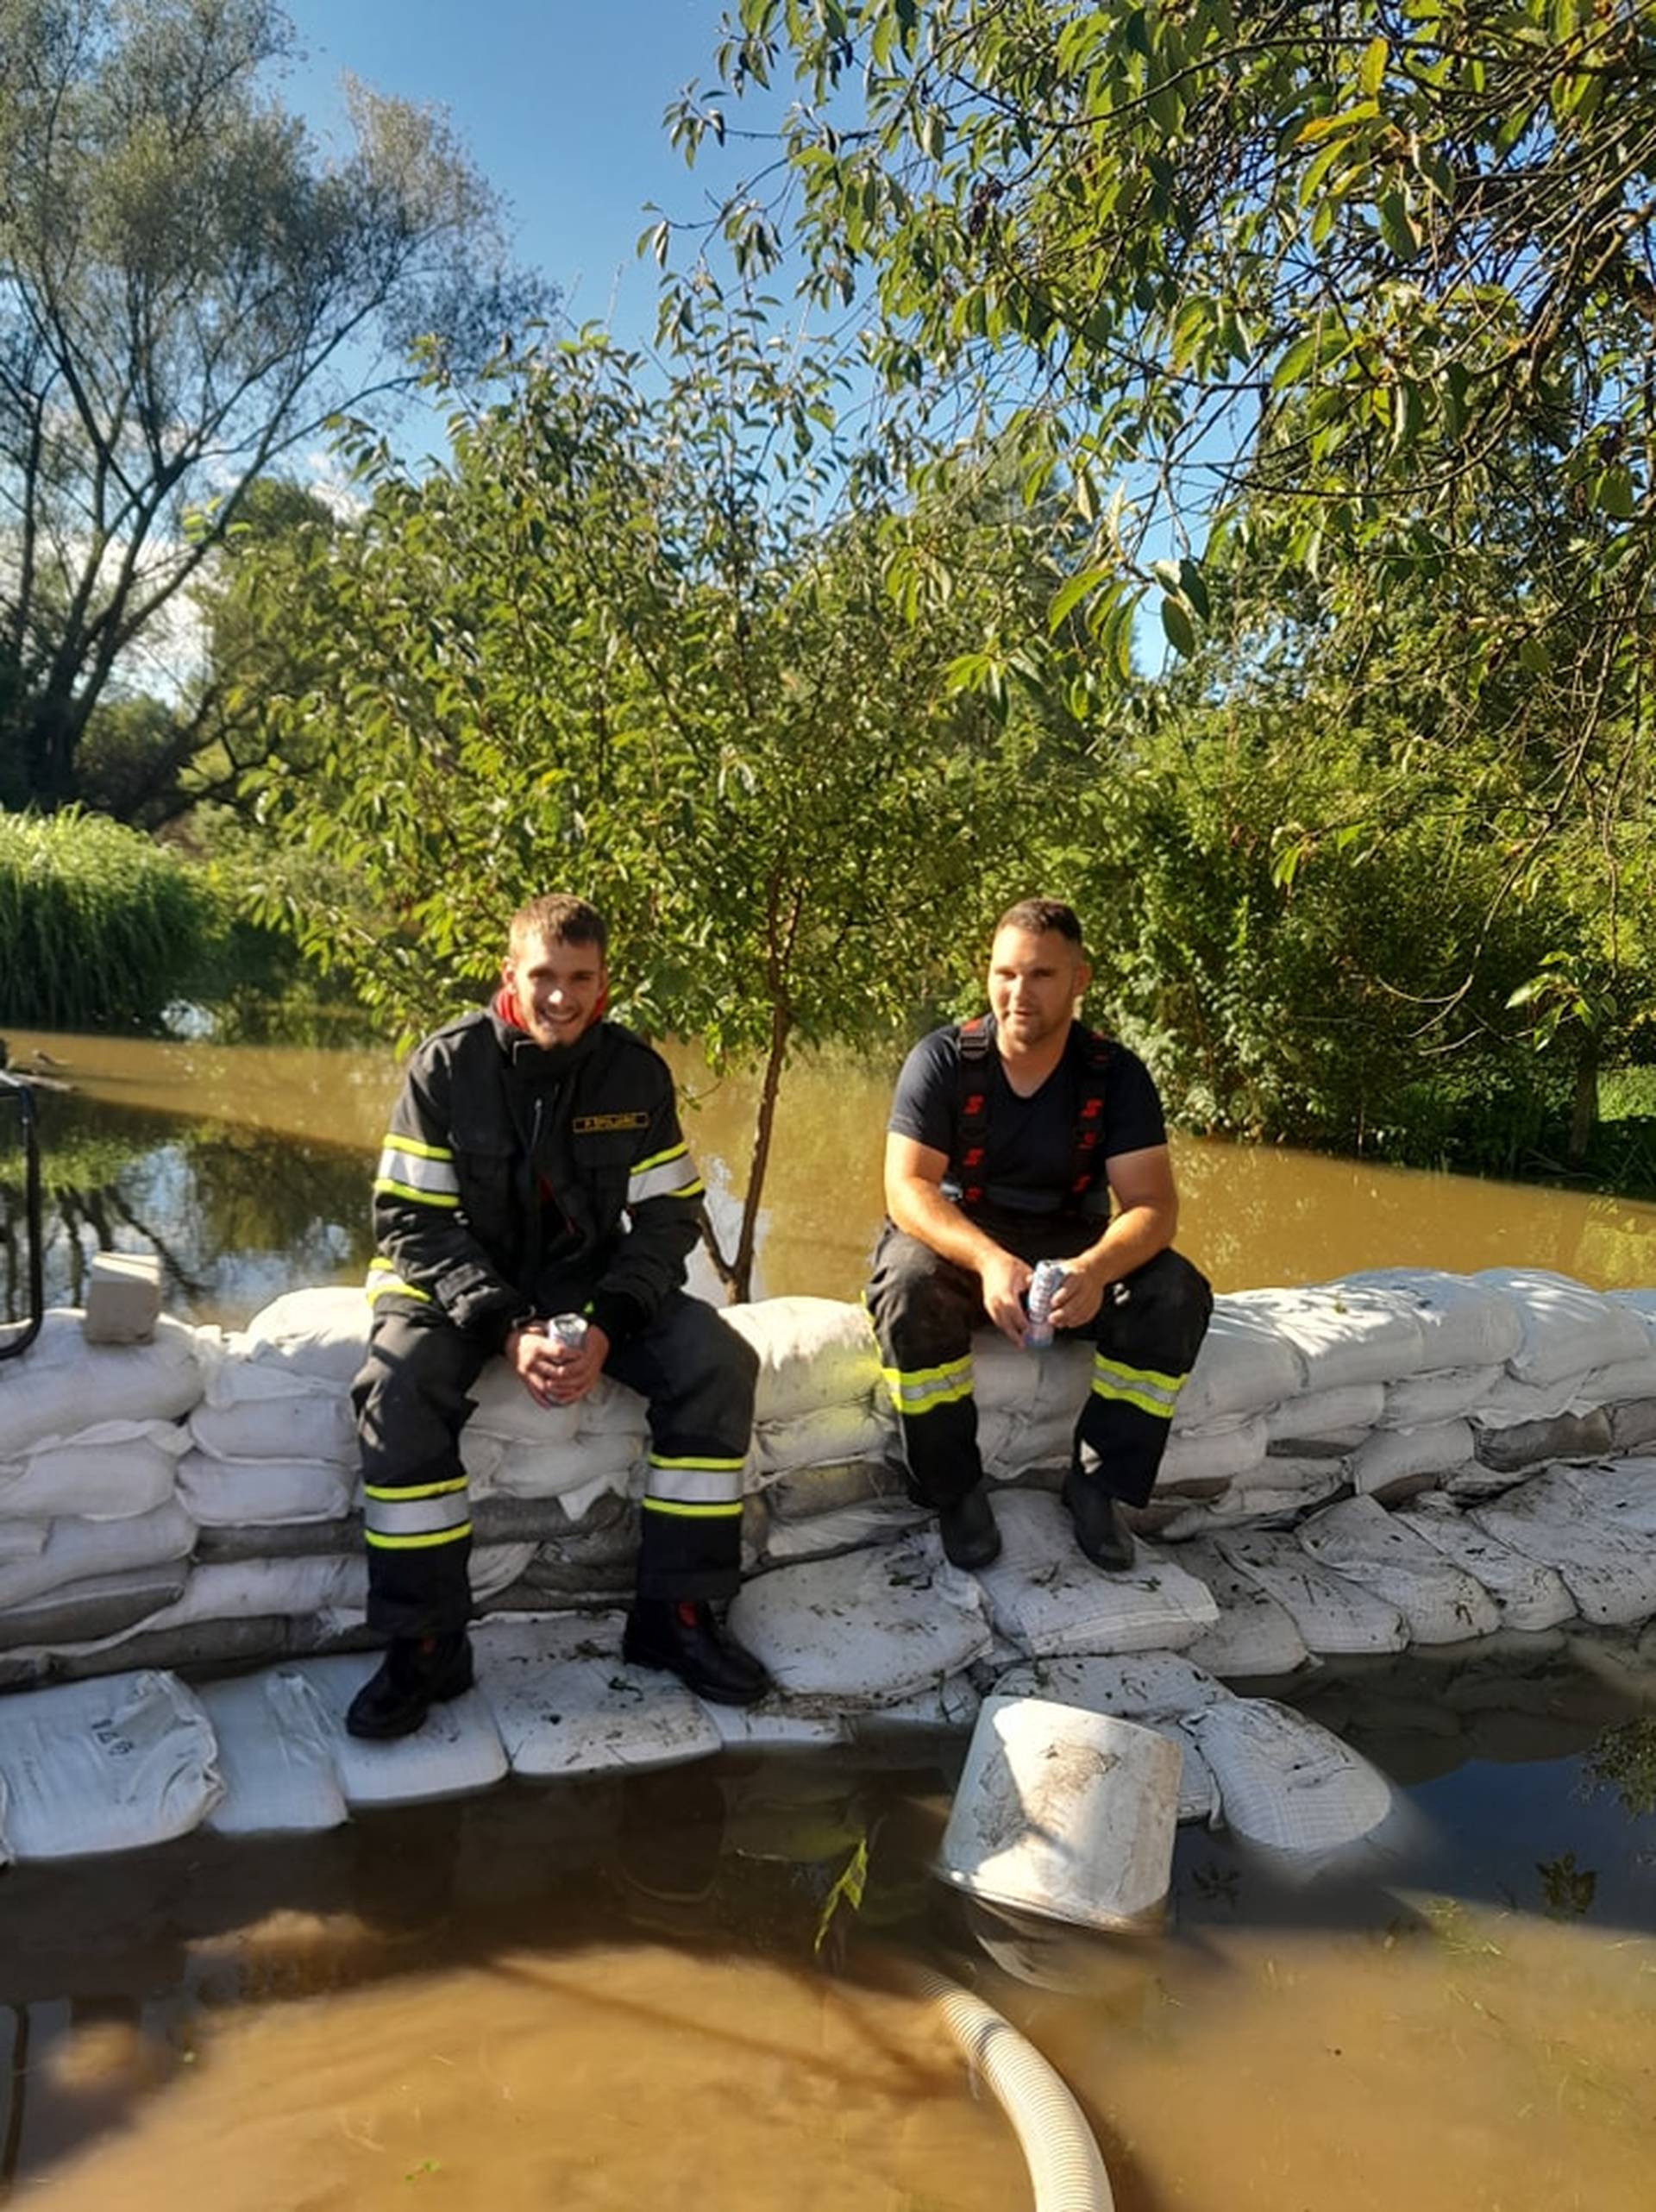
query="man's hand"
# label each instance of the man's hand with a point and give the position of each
(553, 1374)
(1005, 1279)
(1079, 1295)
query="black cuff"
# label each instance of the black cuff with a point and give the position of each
(618, 1314)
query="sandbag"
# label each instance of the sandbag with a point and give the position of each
(1047, 1598)
(1344, 1332)
(1392, 1458)
(876, 1521)
(1325, 1413)
(107, 1472)
(1509, 1402)
(1463, 1321)
(564, 1703)
(1613, 1386)
(1567, 1328)
(1633, 1425)
(275, 1755)
(251, 1411)
(576, 1471)
(829, 1437)
(51, 1389)
(1527, 1595)
(1609, 1570)
(1246, 1508)
(1332, 1613)
(265, 1493)
(457, 1750)
(1254, 1635)
(1442, 1394)
(812, 1353)
(74, 1551)
(1287, 1785)
(1245, 1364)
(804, 1492)
(866, 1629)
(103, 1766)
(1222, 1453)
(101, 1610)
(322, 1333)
(1531, 1443)
(1440, 1602)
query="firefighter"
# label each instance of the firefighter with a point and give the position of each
(1011, 1140)
(535, 1167)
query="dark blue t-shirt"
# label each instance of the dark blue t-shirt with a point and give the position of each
(1029, 1143)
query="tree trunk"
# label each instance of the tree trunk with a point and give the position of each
(1584, 1114)
(741, 1272)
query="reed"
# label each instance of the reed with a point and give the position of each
(99, 926)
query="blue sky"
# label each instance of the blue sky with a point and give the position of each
(561, 107)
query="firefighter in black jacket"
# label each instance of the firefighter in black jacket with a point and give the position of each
(534, 1166)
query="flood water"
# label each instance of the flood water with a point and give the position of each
(611, 1995)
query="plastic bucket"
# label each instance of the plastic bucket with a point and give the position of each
(1066, 1813)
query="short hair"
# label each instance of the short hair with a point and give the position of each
(561, 919)
(1039, 916)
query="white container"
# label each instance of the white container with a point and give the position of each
(1066, 1813)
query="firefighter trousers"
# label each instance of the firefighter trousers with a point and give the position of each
(697, 1378)
(1145, 1337)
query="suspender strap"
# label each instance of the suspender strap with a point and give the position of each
(972, 1120)
(1089, 1113)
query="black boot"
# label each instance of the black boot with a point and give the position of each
(1100, 1529)
(970, 1539)
(684, 1637)
(417, 1673)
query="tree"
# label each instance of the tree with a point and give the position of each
(188, 292)
(638, 640)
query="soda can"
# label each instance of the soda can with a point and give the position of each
(1042, 1288)
(568, 1329)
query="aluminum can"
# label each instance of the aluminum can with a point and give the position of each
(1042, 1288)
(568, 1329)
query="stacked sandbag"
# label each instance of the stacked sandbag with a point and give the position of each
(93, 1537)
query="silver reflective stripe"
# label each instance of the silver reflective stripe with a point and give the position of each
(920, 1390)
(666, 1175)
(449, 1510)
(705, 1482)
(383, 1277)
(1148, 1388)
(409, 1169)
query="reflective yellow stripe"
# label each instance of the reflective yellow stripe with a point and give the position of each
(1122, 1373)
(389, 1280)
(1155, 1405)
(916, 1391)
(425, 1490)
(718, 1467)
(383, 1184)
(393, 1142)
(690, 1512)
(895, 1375)
(418, 1543)
(670, 1174)
(673, 1152)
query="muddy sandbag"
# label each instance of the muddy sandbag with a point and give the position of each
(1440, 1602)
(1245, 1364)
(1251, 1507)
(865, 1629)
(812, 1353)
(1567, 1328)
(251, 1411)
(1254, 1635)
(1608, 1566)
(457, 1750)
(63, 1384)
(1333, 1613)
(1395, 1460)
(802, 1492)
(1508, 1401)
(848, 1528)
(1344, 1332)
(103, 1607)
(1531, 1443)
(231, 1493)
(276, 1756)
(105, 1766)
(1325, 1413)
(1463, 1321)
(1047, 1598)
(108, 1472)
(1442, 1394)
(1527, 1595)
(75, 1551)
(1632, 1424)
(565, 1704)
(1286, 1784)
(1219, 1454)
(829, 1437)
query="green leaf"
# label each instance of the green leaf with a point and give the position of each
(1371, 69)
(1181, 632)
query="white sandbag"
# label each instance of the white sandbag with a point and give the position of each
(1344, 1332)
(456, 1750)
(565, 1704)
(1286, 1784)
(865, 1629)
(1324, 1413)
(61, 1382)
(504, 1410)
(1254, 1636)
(1614, 1386)
(1508, 1403)
(495, 1566)
(1621, 1492)
(1042, 1388)
(22, 1539)
(221, 1494)
(1245, 1364)
(251, 1411)
(1048, 1598)
(950, 1704)
(1463, 1321)
(92, 1615)
(103, 1766)
(1567, 1328)
(876, 1521)
(75, 1550)
(583, 1466)
(1332, 1613)
(829, 1437)
(1391, 1457)
(1609, 1570)
(1224, 1452)
(275, 1755)
(258, 1589)
(1527, 1595)
(1250, 1508)
(1153, 1691)
(802, 1492)
(107, 1472)
(323, 1333)
(1441, 1603)
(812, 1353)
(1443, 1394)
(775, 1724)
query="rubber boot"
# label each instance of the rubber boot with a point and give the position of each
(417, 1673)
(685, 1637)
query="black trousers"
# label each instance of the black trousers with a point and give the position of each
(696, 1377)
(1145, 1337)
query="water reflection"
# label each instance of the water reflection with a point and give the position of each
(246, 1169)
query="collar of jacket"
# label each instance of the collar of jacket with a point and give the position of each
(541, 1062)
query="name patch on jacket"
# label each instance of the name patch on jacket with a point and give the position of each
(591, 1125)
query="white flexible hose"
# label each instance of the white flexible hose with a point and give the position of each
(1065, 2171)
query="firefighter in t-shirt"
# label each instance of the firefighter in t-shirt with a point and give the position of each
(1019, 1137)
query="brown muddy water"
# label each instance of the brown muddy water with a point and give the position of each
(613, 1994)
